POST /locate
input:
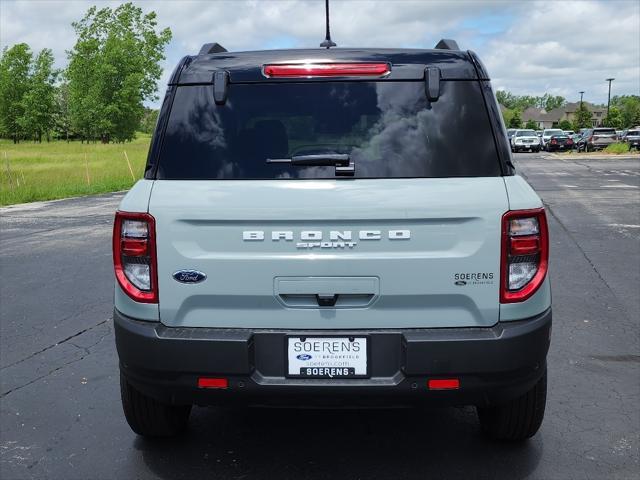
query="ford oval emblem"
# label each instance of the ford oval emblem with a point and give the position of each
(303, 356)
(189, 276)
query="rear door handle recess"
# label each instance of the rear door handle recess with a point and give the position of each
(325, 292)
(326, 300)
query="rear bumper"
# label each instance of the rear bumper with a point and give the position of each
(493, 364)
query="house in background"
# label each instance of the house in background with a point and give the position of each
(597, 113)
(535, 114)
(553, 117)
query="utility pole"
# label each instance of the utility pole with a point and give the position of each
(609, 99)
(581, 94)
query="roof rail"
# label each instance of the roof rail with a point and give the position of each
(208, 48)
(447, 44)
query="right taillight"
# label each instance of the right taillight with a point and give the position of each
(134, 255)
(525, 254)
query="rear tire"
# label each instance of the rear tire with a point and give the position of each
(518, 419)
(150, 418)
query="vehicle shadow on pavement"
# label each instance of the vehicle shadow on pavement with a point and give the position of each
(362, 443)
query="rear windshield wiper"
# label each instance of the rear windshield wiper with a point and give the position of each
(342, 162)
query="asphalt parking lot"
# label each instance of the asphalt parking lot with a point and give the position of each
(60, 412)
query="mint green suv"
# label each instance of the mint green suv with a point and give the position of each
(332, 227)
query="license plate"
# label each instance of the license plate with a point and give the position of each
(327, 357)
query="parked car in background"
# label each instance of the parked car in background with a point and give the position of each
(619, 134)
(547, 133)
(576, 138)
(525, 140)
(596, 139)
(571, 133)
(632, 137)
(510, 132)
(559, 142)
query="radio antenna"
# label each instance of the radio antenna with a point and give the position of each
(328, 43)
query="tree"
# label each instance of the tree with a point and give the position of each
(62, 114)
(15, 65)
(582, 117)
(516, 102)
(113, 68)
(38, 102)
(149, 119)
(531, 125)
(565, 125)
(629, 106)
(550, 102)
(506, 99)
(516, 121)
(613, 118)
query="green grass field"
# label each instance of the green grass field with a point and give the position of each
(45, 171)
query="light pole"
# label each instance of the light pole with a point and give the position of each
(581, 94)
(609, 99)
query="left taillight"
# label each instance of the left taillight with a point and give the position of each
(134, 255)
(525, 254)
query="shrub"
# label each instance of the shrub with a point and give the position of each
(617, 148)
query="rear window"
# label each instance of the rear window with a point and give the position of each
(525, 133)
(633, 132)
(388, 129)
(605, 131)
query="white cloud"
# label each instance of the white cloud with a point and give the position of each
(565, 47)
(529, 47)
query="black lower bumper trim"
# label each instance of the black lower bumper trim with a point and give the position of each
(493, 364)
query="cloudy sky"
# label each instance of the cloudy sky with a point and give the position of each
(529, 47)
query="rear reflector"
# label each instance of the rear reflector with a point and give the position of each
(529, 245)
(205, 382)
(443, 384)
(327, 70)
(134, 247)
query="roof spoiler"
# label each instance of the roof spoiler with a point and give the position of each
(208, 48)
(447, 44)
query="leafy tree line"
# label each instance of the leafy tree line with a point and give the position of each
(514, 105)
(522, 102)
(112, 70)
(623, 113)
(27, 93)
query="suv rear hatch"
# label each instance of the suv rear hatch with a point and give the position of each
(411, 240)
(604, 136)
